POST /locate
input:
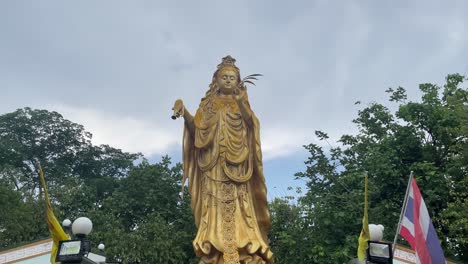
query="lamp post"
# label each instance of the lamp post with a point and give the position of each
(73, 251)
(81, 227)
(378, 251)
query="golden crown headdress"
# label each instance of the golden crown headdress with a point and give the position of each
(228, 62)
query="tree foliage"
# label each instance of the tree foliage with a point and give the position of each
(19, 221)
(134, 205)
(146, 208)
(428, 137)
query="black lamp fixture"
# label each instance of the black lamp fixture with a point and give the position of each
(379, 252)
(73, 251)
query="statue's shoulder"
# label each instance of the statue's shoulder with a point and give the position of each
(205, 102)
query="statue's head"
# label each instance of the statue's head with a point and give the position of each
(227, 80)
(227, 77)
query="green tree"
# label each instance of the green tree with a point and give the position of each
(136, 209)
(144, 221)
(289, 238)
(19, 219)
(428, 137)
(79, 174)
(62, 147)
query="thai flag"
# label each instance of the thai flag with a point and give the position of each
(417, 229)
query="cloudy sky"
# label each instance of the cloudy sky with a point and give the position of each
(118, 66)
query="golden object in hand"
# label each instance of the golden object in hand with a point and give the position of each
(178, 109)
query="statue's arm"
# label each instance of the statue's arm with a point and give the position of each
(245, 111)
(180, 110)
(188, 118)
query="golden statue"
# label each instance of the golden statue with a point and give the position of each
(222, 160)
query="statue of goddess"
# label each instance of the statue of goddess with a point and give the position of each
(222, 160)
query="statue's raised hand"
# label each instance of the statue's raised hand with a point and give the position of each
(239, 95)
(178, 109)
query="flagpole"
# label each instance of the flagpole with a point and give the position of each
(403, 209)
(364, 237)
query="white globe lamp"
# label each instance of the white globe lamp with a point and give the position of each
(82, 226)
(101, 246)
(66, 223)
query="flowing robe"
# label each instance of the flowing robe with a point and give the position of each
(222, 160)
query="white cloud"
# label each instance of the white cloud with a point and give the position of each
(124, 132)
(282, 142)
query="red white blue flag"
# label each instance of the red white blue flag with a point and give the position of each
(417, 229)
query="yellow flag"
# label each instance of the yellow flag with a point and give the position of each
(365, 235)
(55, 228)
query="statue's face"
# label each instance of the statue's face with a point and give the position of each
(227, 81)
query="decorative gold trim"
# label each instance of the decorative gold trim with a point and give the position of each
(230, 254)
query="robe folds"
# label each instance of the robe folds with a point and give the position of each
(222, 160)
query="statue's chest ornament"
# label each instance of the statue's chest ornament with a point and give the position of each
(226, 104)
